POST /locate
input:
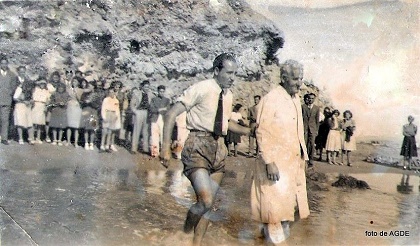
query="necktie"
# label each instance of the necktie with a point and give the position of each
(218, 121)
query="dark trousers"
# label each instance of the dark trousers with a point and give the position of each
(4, 117)
(310, 144)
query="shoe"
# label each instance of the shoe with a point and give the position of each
(132, 152)
(66, 143)
(59, 143)
(5, 142)
(87, 146)
(91, 146)
(54, 142)
(32, 142)
(102, 148)
(21, 142)
(349, 164)
(39, 141)
(113, 148)
(48, 140)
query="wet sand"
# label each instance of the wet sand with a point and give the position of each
(53, 195)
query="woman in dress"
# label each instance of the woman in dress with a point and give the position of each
(23, 110)
(74, 111)
(333, 145)
(111, 121)
(41, 97)
(349, 141)
(90, 119)
(409, 148)
(58, 105)
(55, 79)
(232, 137)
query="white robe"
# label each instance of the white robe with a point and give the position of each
(280, 136)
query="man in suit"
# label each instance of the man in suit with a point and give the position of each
(140, 104)
(310, 113)
(8, 81)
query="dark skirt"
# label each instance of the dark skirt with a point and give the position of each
(90, 119)
(232, 137)
(409, 148)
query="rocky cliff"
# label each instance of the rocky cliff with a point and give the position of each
(170, 42)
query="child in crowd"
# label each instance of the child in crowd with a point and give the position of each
(235, 138)
(58, 105)
(89, 120)
(40, 96)
(111, 121)
(23, 110)
(74, 111)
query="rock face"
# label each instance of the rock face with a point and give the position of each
(169, 42)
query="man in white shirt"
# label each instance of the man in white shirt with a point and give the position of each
(208, 106)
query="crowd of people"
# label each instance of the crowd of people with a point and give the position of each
(67, 109)
(284, 135)
(332, 133)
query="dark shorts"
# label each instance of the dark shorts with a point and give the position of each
(203, 151)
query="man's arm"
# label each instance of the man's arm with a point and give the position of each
(235, 127)
(168, 127)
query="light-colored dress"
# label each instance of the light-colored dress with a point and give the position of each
(351, 144)
(280, 136)
(41, 98)
(334, 136)
(110, 112)
(22, 112)
(74, 111)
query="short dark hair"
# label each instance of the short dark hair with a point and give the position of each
(219, 60)
(257, 96)
(161, 87)
(348, 112)
(335, 111)
(306, 96)
(145, 82)
(21, 66)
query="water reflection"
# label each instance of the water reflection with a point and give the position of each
(404, 187)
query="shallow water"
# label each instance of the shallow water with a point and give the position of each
(89, 204)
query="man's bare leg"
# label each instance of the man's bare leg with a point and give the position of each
(205, 187)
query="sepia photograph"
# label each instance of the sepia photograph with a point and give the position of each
(209, 122)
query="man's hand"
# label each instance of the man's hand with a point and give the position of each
(272, 172)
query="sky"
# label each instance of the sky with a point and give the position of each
(363, 54)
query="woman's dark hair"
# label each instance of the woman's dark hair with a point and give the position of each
(55, 73)
(237, 107)
(348, 112)
(335, 111)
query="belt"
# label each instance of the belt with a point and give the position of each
(204, 134)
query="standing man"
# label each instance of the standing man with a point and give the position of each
(279, 183)
(8, 84)
(158, 108)
(310, 113)
(209, 106)
(140, 103)
(252, 117)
